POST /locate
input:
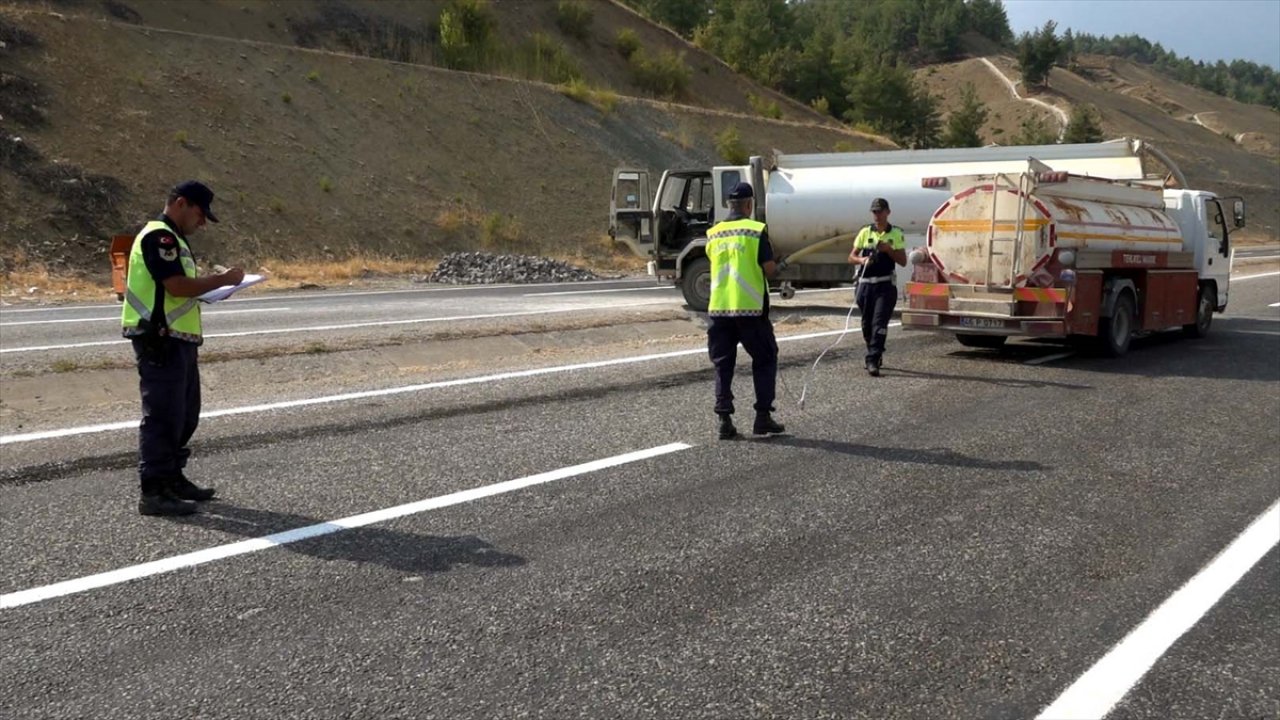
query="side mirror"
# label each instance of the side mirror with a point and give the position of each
(1237, 212)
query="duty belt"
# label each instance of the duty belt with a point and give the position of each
(872, 280)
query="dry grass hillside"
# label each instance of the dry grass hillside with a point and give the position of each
(1221, 145)
(329, 131)
(318, 154)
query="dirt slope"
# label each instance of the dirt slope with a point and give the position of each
(316, 154)
(320, 147)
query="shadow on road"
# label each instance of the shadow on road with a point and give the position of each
(404, 552)
(908, 455)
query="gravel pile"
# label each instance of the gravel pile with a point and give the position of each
(482, 268)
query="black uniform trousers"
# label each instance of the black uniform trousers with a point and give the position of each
(756, 335)
(876, 301)
(170, 386)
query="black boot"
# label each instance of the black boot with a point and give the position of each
(766, 425)
(727, 430)
(165, 504)
(873, 367)
(183, 489)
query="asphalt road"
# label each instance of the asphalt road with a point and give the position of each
(964, 537)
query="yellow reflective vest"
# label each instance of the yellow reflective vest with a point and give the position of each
(181, 318)
(738, 286)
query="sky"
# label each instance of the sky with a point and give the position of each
(1208, 30)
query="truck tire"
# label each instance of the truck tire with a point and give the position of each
(695, 283)
(1205, 303)
(982, 341)
(1116, 332)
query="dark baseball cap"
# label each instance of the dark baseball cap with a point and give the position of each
(196, 193)
(879, 204)
(741, 191)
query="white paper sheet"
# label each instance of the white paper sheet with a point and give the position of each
(226, 291)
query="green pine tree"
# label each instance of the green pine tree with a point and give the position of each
(964, 125)
(1083, 127)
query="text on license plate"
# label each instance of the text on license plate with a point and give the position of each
(978, 322)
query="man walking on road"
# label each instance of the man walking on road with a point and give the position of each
(162, 317)
(877, 247)
(741, 260)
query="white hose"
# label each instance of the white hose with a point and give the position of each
(809, 375)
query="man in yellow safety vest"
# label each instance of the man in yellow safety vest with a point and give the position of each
(741, 261)
(162, 317)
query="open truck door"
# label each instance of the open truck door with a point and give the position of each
(631, 210)
(1221, 216)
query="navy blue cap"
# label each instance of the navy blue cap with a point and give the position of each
(741, 191)
(196, 193)
(879, 204)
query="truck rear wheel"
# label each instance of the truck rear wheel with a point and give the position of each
(1116, 332)
(981, 341)
(695, 283)
(1205, 303)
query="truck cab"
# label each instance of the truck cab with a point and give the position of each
(669, 224)
(1202, 217)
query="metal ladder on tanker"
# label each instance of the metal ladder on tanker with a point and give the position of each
(1024, 190)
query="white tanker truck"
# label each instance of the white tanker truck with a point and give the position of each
(1045, 253)
(815, 204)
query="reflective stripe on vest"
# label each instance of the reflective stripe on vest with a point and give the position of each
(181, 315)
(738, 287)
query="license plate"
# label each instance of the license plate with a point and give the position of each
(978, 322)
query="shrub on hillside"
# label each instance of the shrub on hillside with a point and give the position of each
(1033, 131)
(579, 91)
(627, 42)
(466, 33)
(547, 60)
(729, 145)
(665, 76)
(574, 18)
(764, 106)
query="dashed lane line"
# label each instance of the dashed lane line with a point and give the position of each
(1106, 683)
(244, 547)
(1050, 358)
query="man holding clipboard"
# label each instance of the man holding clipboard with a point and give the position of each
(162, 317)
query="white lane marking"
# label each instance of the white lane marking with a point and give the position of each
(596, 292)
(1104, 684)
(365, 394)
(116, 318)
(220, 552)
(287, 296)
(641, 289)
(348, 326)
(1274, 305)
(1051, 358)
(1254, 277)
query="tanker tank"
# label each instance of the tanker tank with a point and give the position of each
(1076, 214)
